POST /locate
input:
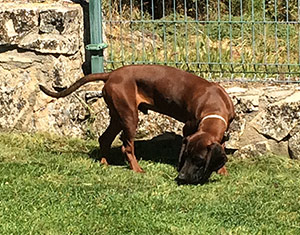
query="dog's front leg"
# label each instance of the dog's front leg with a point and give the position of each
(128, 150)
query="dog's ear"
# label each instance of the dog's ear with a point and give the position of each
(182, 152)
(217, 157)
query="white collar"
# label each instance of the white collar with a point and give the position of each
(214, 116)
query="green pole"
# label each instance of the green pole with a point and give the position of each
(96, 47)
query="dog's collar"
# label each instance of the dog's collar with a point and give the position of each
(214, 116)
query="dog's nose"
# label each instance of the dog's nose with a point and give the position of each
(181, 179)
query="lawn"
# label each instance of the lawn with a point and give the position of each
(51, 185)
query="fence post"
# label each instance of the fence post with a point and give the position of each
(96, 47)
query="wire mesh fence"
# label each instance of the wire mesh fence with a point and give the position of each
(242, 40)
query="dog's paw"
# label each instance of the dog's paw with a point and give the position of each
(103, 161)
(222, 171)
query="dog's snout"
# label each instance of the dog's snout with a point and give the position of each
(181, 178)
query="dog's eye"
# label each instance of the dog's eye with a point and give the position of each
(198, 160)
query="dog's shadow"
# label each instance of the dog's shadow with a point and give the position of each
(164, 148)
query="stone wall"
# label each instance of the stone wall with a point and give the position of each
(267, 121)
(39, 43)
(43, 43)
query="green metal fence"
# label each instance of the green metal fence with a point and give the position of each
(248, 40)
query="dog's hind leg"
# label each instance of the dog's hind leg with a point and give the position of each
(120, 97)
(106, 139)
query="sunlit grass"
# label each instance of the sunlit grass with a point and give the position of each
(50, 185)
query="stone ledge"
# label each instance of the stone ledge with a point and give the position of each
(45, 28)
(39, 43)
(268, 120)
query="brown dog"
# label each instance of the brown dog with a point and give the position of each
(204, 107)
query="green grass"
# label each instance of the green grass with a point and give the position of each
(50, 185)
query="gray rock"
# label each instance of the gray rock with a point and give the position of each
(33, 52)
(277, 120)
(269, 127)
(294, 142)
(262, 148)
(46, 28)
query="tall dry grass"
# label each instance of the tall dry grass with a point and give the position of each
(248, 48)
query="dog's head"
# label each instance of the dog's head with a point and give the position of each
(198, 160)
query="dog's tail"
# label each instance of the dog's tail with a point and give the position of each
(89, 78)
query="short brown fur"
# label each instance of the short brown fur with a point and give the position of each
(167, 90)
